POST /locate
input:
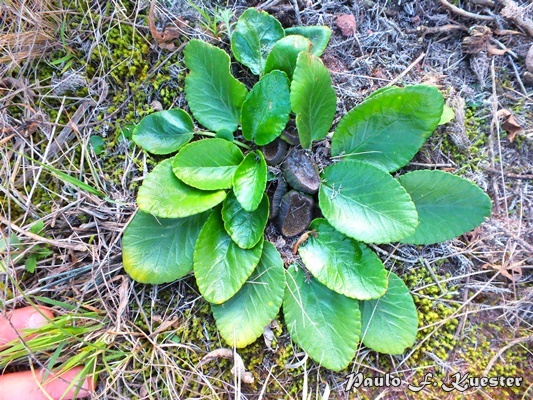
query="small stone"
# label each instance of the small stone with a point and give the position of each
(275, 151)
(156, 105)
(346, 24)
(295, 213)
(528, 78)
(529, 59)
(301, 172)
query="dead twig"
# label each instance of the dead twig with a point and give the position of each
(302, 239)
(494, 141)
(516, 14)
(66, 134)
(510, 175)
(406, 71)
(430, 270)
(56, 243)
(463, 13)
(503, 350)
(486, 3)
(238, 370)
(518, 239)
(297, 12)
(426, 30)
(165, 38)
(391, 255)
(462, 321)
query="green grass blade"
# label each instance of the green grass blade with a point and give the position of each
(67, 178)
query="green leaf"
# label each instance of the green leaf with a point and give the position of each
(318, 35)
(447, 115)
(31, 263)
(164, 132)
(380, 91)
(126, 131)
(312, 99)
(226, 135)
(389, 128)
(208, 164)
(342, 264)
(255, 34)
(390, 323)
(160, 250)
(285, 53)
(214, 96)
(221, 267)
(37, 227)
(265, 112)
(165, 196)
(249, 181)
(12, 242)
(366, 203)
(97, 143)
(447, 205)
(242, 319)
(326, 324)
(42, 252)
(245, 228)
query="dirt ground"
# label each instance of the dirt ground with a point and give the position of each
(75, 75)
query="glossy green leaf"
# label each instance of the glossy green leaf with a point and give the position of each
(245, 228)
(221, 267)
(208, 164)
(390, 323)
(285, 53)
(326, 324)
(164, 132)
(312, 99)
(389, 128)
(380, 91)
(226, 135)
(447, 205)
(366, 203)
(214, 96)
(165, 196)
(249, 181)
(447, 115)
(160, 250)
(265, 112)
(318, 35)
(253, 37)
(242, 319)
(342, 264)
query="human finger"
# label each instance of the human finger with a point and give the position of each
(23, 318)
(31, 385)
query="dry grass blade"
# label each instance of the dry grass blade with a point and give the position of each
(29, 31)
(57, 243)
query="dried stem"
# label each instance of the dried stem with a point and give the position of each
(463, 13)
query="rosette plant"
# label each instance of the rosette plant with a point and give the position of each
(204, 208)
